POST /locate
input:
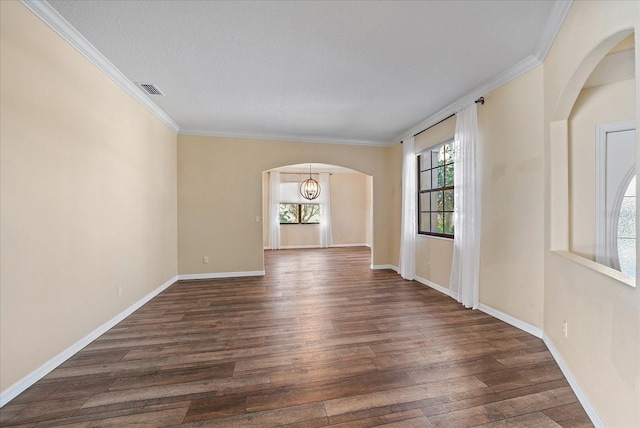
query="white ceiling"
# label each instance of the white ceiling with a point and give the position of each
(337, 71)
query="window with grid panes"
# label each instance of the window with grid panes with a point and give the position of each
(299, 214)
(435, 191)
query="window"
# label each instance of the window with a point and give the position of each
(615, 196)
(627, 231)
(299, 213)
(435, 191)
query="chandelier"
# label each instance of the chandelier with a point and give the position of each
(310, 188)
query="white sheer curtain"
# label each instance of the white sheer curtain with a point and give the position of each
(326, 238)
(274, 210)
(465, 271)
(409, 195)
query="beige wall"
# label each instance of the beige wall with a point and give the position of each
(511, 165)
(299, 235)
(216, 221)
(603, 104)
(348, 208)
(88, 191)
(433, 259)
(348, 214)
(602, 349)
(88, 197)
(511, 172)
(435, 255)
(440, 133)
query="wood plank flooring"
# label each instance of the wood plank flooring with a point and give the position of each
(320, 340)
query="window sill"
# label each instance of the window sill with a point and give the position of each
(600, 268)
(443, 238)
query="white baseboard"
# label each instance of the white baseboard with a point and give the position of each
(531, 329)
(378, 267)
(216, 275)
(487, 310)
(14, 390)
(433, 285)
(595, 419)
(538, 333)
(297, 247)
(293, 247)
(24, 383)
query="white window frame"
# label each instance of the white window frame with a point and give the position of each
(606, 250)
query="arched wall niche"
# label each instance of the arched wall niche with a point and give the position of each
(567, 98)
(559, 133)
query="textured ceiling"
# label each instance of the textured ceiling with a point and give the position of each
(362, 72)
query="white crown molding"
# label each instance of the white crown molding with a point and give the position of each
(61, 26)
(276, 137)
(508, 75)
(216, 275)
(24, 383)
(551, 27)
(545, 40)
(64, 29)
(582, 398)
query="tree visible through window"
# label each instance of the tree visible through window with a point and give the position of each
(435, 191)
(299, 213)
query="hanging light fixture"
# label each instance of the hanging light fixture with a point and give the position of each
(310, 188)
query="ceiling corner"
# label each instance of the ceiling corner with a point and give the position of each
(551, 27)
(64, 29)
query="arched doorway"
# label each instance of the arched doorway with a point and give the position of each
(347, 199)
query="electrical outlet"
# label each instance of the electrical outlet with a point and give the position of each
(205, 259)
(565, 328)
(119, 290)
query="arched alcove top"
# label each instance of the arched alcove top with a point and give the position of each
(303, 168)
(569, 94)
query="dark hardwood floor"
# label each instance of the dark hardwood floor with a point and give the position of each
(320, 340)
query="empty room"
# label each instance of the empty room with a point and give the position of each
(319, 213)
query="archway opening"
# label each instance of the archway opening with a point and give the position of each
(341, 217)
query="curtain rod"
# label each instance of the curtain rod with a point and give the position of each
(478, 101)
